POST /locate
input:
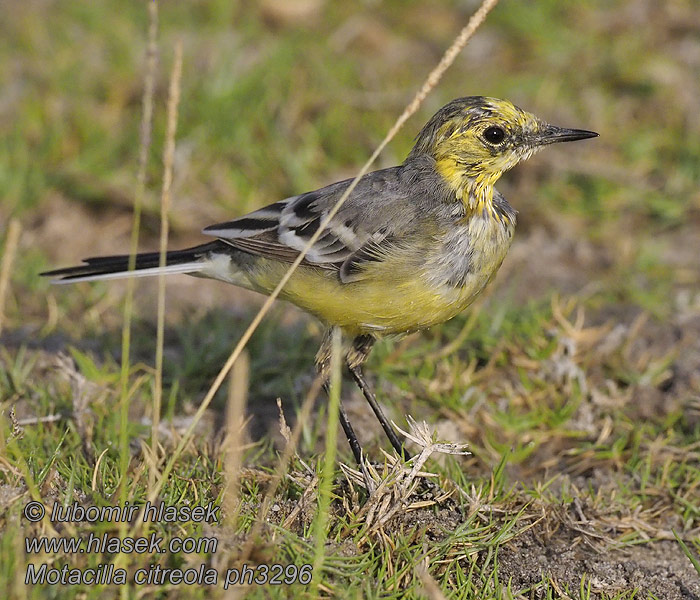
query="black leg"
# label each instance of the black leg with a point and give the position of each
(361, 347)
(350, 434)
(323, 366)
(347, 428)
(359, 378)
(358, 353)
(323, 361)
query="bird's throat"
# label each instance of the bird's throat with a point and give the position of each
(471, 185)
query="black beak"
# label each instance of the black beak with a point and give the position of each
(552, 134)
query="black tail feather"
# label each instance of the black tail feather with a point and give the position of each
(103, 265)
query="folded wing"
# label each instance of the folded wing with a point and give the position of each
(359, 232)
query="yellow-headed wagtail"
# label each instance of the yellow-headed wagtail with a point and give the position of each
(412, 246)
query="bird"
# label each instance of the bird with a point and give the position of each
(412, 246)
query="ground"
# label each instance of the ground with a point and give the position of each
(574, 382)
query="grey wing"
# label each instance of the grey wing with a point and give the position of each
(366, 222)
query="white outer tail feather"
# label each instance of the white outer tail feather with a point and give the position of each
(191, 267)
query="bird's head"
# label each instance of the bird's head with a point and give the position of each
(474, 140)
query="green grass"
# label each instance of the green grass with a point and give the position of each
(574, 381)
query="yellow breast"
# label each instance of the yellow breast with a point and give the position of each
(413, 288)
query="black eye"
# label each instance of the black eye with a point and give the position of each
(494, 135)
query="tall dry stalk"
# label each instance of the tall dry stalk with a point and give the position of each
(168, 159)
(8, 258)
(144, 150)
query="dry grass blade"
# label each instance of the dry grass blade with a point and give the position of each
(235, 430)
(168, 159)
(96, 468)
(8, 257)
(430, 587)
(144, 149)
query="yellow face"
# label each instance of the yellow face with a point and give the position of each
(475, 139)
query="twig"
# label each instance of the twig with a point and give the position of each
(36, 420)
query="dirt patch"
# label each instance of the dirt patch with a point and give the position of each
(658, 568)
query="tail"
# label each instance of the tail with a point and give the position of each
(190, 260)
